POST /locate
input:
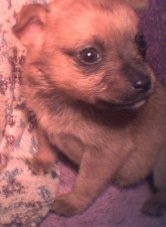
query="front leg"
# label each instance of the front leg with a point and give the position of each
(156, 204)
(95, 172)
(44, 160)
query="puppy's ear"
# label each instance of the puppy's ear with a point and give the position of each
(138, 4)
(30, 24)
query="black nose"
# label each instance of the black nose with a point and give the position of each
(142, 85)
(138, 76)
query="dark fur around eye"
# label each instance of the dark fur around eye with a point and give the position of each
(89, 56)
(141, 44)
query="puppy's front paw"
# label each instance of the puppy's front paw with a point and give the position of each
(39, 165)
(68, 205)
(156, 205)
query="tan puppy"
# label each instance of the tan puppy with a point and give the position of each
(95, 97)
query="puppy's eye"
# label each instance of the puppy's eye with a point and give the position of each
(89, 55)
(141, 44)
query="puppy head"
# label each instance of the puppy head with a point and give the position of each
(89, 50)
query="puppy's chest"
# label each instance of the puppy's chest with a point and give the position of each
(73, 132)
(76, 133)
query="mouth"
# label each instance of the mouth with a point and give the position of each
(122, 106)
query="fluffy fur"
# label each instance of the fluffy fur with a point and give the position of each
(95, 97)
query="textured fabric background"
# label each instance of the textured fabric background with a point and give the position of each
(24, 198)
